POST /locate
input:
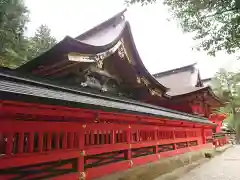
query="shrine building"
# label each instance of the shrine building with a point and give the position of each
(88, 107)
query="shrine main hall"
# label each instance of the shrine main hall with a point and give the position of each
(88, 107)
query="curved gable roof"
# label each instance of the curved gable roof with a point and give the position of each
(179, 79)
(176, 70)
(97, 40)
(179, 82)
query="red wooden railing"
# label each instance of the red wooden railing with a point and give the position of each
(220, 139)
(87, 147)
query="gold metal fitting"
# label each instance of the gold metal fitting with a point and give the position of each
(131, 163)
(82, 153)
(82, 176)
(138, 80)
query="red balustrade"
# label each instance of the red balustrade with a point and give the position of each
(82, 144)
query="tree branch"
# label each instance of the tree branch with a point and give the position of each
(221, 12)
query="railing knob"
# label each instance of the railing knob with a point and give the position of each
(82, 153)
(82, 176)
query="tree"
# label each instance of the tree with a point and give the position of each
(13, 19)
(15, 48)
(41, 41)
(215, 23)
(226, 85)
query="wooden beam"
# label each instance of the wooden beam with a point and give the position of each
(61, 68)
(50, 67)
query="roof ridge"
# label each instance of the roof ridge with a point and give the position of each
(164, 73)
(206, 79)
(102, 24)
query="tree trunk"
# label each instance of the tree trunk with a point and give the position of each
(238, 134)
(235, 125)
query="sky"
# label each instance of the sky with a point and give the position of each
(160, 43)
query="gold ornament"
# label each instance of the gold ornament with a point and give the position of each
(131, 163)
(121, 52)
(145, 81)
(82, 153)
(82, 176)
(138, 80)
(100, 64)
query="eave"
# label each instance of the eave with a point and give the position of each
(27, 89)
(205, 92)
(59, 53)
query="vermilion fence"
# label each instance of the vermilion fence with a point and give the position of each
(71, 143)
(220, 139)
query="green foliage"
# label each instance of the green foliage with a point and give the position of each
(13, 18)
(216, 23)
(229, 121)
(227, 86)
(15, 48)
(41, 42)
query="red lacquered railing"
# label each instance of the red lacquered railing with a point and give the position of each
(84, 147)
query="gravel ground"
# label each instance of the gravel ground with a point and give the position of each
(221, 167)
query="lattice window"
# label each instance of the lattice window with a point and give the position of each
(97, 137)
(192, 134)
(120, 136)
(100, 137)
(27, 142)
(135, 136)
(180, 134)
(165, 135)
(146, 135)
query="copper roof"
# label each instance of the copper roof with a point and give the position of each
(181, 80)
(97, 40)
(185, 90)
(176, 70)
(184, 81)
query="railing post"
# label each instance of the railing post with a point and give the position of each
(40, 141)
(9, 145)
(156, 139)
(128, 153)
(20, 143)
(188, 136)
(203, 136)
(112, 137)
(81, 142)
(174, 137)
(30, 142)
